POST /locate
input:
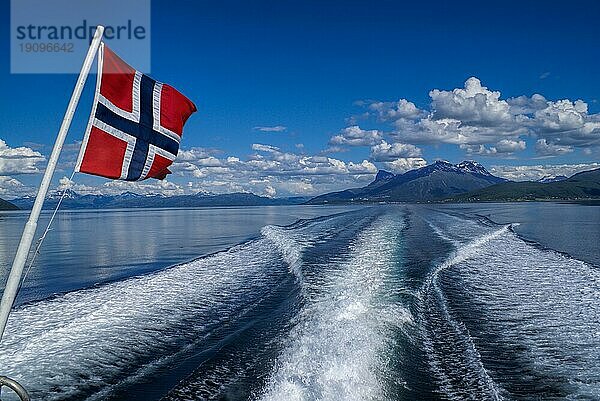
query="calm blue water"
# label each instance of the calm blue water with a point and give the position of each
(407, 302)
(89, 247)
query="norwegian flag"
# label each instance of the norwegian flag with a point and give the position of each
(135, 126)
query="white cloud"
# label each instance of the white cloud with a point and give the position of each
(567, 123)
(265, 148)
(510, 146)
(385, 152)
(21, 160)
(562, 115)
(65, 183)
(502, 148)
(403, 165)
(392, 111)
(474, 104)
(276, 128)
(543, 148)
(270, 191)
(356, 136)
(479, 121)
(526, 105)
(209, 161)
(195, 153)
(364, 167)
(287, 173)
(481, 150)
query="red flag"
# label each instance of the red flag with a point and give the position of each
(136, 123)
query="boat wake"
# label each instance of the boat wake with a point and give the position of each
(87, 343)
(504, 318)
(383, 303)
(340, 346)
(464, 375)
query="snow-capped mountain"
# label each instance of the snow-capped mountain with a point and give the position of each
(435, 181)
(552, 178)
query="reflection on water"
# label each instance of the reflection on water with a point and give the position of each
(86, 247)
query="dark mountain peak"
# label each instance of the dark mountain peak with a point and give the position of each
(432, 182)
(465, 167)
(383, 175)
(6, 205)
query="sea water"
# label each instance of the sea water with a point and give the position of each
(399, 302)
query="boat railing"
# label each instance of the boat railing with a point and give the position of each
(14, 386)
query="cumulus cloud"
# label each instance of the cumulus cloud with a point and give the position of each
(479, 121)
(272, 171)
(522, 105)
(270, 191)
(402, 165)
(356, 136)
(474, 105)
(385, 152)
(196, 153)
(473, 115)
(567, 123)
(510, 146)
(503, 148)
(535, 172)
(364, 167)
(276, 128)
(21, 160)
(392, 111)
(544, 148)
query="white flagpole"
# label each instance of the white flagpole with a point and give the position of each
(14, 278)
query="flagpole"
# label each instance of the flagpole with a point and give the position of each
(14, 278)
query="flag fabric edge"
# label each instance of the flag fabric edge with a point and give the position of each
(88, 129)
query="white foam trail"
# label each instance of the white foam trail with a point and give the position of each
(438, 231)
(290, 246)
(88, 341)
(551, 297)
(453, 229)
(336, 352)
(461, 254)
(464, 252)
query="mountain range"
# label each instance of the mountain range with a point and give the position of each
(74, 200)
(441, 181)
(581, 186)
(467, 181)
(436, 181)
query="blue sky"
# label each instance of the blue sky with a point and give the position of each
(340, 89)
